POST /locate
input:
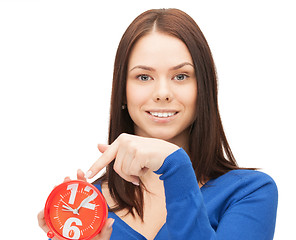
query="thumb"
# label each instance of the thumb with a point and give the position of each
(102, 147)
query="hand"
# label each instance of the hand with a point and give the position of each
(105, 233)
(42, 223)
(133, 155)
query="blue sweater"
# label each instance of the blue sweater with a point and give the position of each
(241, 204)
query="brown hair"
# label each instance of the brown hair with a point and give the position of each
(209, 150)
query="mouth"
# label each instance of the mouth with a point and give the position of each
(162, 114)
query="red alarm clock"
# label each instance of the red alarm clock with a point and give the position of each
(75, 210)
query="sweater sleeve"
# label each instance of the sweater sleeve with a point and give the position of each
(187, 216)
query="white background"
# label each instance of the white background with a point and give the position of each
(56, 63)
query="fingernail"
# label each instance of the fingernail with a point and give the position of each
(111, 224)
(136, 183)
(88, 174)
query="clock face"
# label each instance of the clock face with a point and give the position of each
(75, 210)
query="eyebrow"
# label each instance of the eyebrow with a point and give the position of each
(153, 70)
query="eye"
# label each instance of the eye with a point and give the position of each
(180, 77)
(144, 77)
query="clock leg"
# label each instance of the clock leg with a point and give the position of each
(50, 235)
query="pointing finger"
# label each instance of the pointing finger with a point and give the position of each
(107, 157)
(102, 147)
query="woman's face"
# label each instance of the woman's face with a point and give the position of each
(161, 88)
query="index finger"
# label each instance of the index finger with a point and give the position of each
(107, 157)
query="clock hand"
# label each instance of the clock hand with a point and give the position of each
(66, 204)
(82, 203)
(69, 208)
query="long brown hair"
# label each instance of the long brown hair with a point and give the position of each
(208, 150)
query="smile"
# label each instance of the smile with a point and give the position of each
(162, 114)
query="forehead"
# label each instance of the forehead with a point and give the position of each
(159, 50)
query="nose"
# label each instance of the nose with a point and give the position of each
(162, 91)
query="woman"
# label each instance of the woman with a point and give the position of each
(170, 171)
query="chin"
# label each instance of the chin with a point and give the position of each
(163, 134)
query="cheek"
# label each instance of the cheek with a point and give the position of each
(135, 95)
(191, 107)
(188, 97)
(192, 100)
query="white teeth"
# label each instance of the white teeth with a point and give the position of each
(162, 114)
